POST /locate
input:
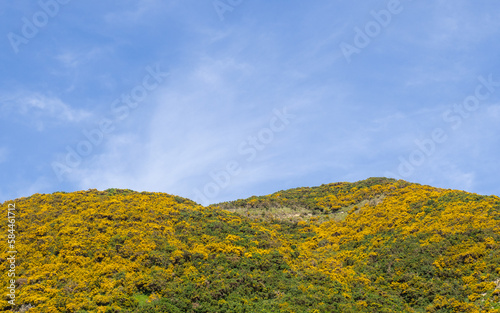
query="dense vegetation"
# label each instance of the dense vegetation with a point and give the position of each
(378, 245)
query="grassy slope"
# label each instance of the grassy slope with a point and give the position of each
(378, 245)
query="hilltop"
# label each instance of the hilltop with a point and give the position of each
(378, 245)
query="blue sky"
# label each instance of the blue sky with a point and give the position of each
(220, 100)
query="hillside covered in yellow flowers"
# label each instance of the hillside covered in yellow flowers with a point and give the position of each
(378, 245)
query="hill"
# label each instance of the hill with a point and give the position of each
(378, 245)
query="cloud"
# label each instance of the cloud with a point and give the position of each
(137, 14)
(441, 172)
(72, 59)
(51, 107)
(195, 126)
(41, 109)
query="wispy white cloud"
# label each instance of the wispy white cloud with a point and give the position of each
(41, 109)
(138, 14)
(72, 59)
(51, 107)
(443, 173)
(448, 25)
(199, 121)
